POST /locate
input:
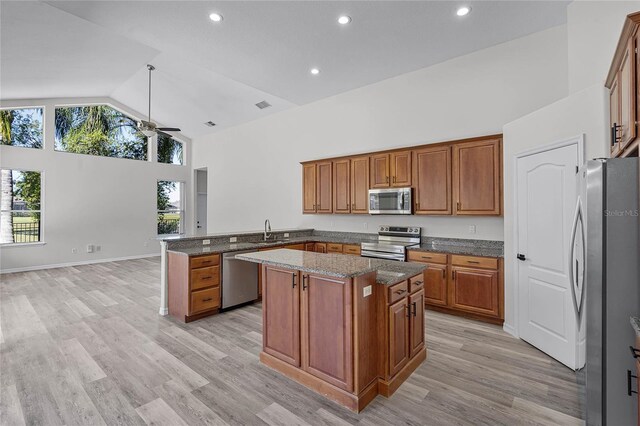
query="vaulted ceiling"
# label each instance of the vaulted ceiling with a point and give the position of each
(262, 50)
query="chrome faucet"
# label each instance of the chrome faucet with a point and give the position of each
(267, 229)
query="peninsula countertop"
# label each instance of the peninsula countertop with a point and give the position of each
(336, 265)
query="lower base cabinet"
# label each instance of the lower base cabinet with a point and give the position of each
(193, 284)
(469, 286)
(338, 335)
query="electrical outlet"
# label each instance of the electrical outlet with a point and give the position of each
(206, 249)
(74, 250)
(231, 240)
(207, 242)
(472, 229)
(286, 235)
(367, 291)
(98, 248)
(90, 248)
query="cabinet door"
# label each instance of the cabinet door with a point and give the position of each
(327, 329)
(310, 247)
(614, 116)
(416, 323)
(474, 290)
(476, 177)
(398, 336)
(324, 199)
(400, 169)
(379, 171)
(342, 186)
(360, 185)
(321, 247)
(308, 188)
(435, 284)
(281, 314)
(627, 89)
(432, 180)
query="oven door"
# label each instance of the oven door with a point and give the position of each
(390, 201)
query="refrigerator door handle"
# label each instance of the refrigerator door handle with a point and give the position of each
(574, 274)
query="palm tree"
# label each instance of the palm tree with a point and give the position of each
(6, 197)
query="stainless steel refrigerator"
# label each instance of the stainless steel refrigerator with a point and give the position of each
(606, 285)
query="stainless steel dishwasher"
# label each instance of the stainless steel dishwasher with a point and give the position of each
(239, 280)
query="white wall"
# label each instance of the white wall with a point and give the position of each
(583, 112)
(254, 170)
(593, 29)
(87, 199)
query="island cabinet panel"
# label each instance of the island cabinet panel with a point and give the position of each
(416, 323)
(474, 290)
(359, 189)
(342, 186)
(398, 336)
(400, 169)
(281, 314)
(324, 188)
(432, 180)
(309, 188)
(379, 171)
(477, 178)
(327, 350)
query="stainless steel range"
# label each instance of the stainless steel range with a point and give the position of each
(393, 242)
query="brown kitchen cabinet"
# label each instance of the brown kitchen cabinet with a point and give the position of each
(469, 286)
(334, 248)
(391, 170)
(398, 336)
(317, 187)
(477, 177)
(193, 285)
(432, 180)
(342, 186)
(320, 247)
(309, 247)
(623, 83)
(359, 189)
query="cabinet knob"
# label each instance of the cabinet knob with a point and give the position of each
(458, 206)
(394, 179)
(418, 283)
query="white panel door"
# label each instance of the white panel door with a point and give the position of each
(546, 199)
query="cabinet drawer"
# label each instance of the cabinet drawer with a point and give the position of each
(351, 249)
(398, 291)
(202, 261)
(203, 300)
(334, 248)
(476, 262)
(295, 246)
(416, 283)
(425, 256)
(205, 277)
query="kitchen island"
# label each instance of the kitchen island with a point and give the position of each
(347, 327)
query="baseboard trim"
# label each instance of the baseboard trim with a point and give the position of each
(509, 329)
(80, 263)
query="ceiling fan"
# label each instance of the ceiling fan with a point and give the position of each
(149, 128)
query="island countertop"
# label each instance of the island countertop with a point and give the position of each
(336, 265)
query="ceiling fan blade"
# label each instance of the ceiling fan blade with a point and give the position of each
(168, 129)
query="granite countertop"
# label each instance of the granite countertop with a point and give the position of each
(635, 323)
(336, 265)
(479, 248)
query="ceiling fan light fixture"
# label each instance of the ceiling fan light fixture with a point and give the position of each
(148, 133)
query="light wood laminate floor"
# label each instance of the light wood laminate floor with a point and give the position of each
(85, 346)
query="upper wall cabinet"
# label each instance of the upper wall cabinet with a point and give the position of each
(432, 180)
(459, 177)
(476, 177)
(317, 187)
(391, 170)
(623, 82)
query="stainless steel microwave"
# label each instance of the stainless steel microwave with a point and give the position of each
(390, 201)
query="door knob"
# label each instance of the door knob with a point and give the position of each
(521, 257)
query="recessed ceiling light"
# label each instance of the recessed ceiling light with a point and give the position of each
(315, 71)
(463, 11)
(215, 17)
(344, 19)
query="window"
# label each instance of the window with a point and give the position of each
(170, 151)
(98, 130)
(21, 127)
(20, 207)
(170, 208)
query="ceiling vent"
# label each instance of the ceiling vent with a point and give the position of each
(263, 104)
(210, 123)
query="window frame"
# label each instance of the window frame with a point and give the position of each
(120, 110)
(41, 211)
(44, 125)
(180, 211)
